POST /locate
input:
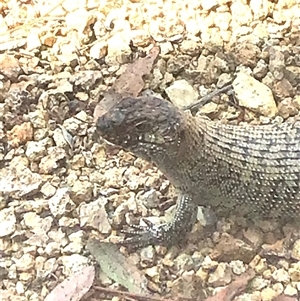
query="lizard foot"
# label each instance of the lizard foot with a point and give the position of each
(166, 234)
(151, 234)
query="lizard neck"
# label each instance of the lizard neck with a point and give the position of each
(178, 159)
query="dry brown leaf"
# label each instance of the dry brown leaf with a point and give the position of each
(285, 298)
(74, 287)
(129, 84)
(234, 288)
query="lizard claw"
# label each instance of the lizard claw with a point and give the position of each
(151, 234)
(166, 234)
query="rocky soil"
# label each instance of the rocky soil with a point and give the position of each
(61, 185)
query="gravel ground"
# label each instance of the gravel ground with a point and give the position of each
(60, 186)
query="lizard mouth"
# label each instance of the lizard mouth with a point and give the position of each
(155, 139)
(142, 147)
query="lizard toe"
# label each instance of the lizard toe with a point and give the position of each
(141, 236)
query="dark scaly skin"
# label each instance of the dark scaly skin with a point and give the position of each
(254, 170)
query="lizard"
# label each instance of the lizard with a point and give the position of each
(252, 169)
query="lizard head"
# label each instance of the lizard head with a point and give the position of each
(146, 126)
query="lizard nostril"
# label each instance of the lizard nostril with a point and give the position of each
(103, 124)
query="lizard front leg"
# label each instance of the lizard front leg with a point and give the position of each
(166, 234)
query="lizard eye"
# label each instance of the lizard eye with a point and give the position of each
(141, 127)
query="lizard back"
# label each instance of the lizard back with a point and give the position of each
(248, 168)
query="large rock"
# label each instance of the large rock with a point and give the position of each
(254, 95)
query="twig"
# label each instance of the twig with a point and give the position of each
(207, 98)
(136, 296)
